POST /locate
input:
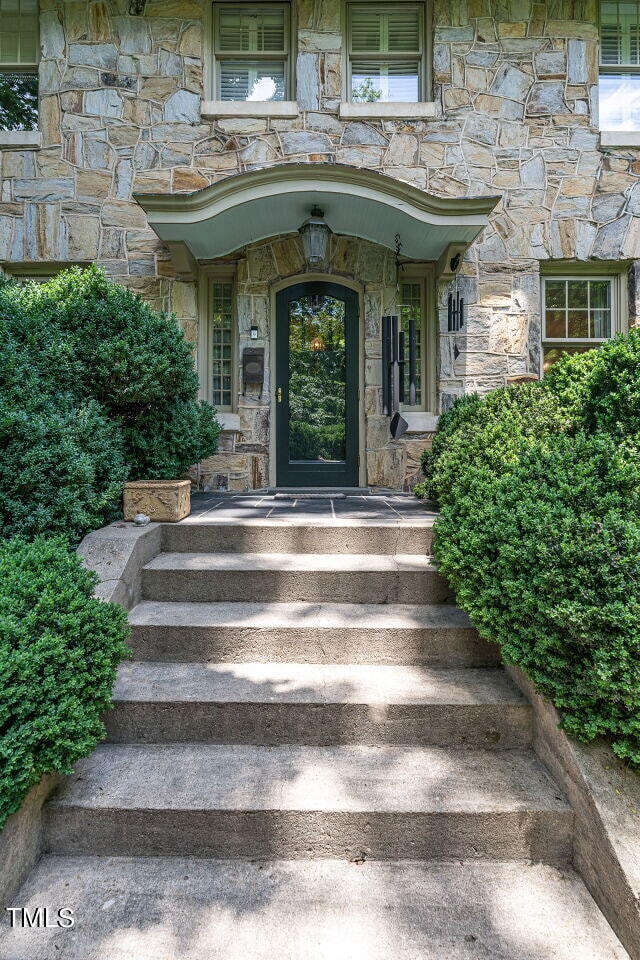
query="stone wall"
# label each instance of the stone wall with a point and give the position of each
(515, 87)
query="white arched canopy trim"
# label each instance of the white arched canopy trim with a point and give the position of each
(248, 207)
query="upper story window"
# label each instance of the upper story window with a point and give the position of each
(620, 65)
(19, 47)
(386, 44)
(252, 51)
(579, 314)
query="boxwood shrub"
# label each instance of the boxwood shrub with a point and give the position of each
(59, 651)
(539, 533)
(97, 388)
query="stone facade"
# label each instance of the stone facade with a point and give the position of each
(515, 90)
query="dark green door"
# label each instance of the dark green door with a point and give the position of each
(317, 386)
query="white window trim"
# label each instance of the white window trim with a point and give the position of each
(20, 139)
(286, 109)
(615, 138)
(224, 273)
(392, 111)
(212, 107)
(620, 138)
(424, 107)
(618, 311)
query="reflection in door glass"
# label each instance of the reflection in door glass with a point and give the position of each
(317, 379)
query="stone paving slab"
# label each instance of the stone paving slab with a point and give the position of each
(396, 508)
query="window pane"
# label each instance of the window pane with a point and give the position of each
(619, 98)
(600, 295)
(252, 81)
(578, 293)
(18, 32)
(555, 293)
(385, 31)
(551, 355)
(222, 345)
(18, 101)
(555, 322)
(394, 82)
(260, 29)
(619, 32)
(411, 307)
(578, 324)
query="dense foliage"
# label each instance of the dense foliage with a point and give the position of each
(59, 651)
(97, 388)
(539, 533)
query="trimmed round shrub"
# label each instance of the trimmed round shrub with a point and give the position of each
(125, 353)
(97, 388)
(612, 397)
(463, 410)
(59, 651)
(487, 434)
(61, 469)
(164, 440)
(545, 558)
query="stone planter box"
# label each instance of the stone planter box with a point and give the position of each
(162, 500)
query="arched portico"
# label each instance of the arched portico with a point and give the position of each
(245, 228)
(242, 209)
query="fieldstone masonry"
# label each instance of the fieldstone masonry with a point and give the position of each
(515, 87)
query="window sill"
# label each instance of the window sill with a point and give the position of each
(212, 109)
(229, 421)
(387, 111)
(620, 138)
(420, 421)
(20, 139)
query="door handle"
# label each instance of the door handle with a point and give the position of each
(279, 395)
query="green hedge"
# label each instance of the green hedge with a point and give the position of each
(97, 388)
(59, 651)
(539, 533)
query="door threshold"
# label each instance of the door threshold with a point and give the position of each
(318, 492)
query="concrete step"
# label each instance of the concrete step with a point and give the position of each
(317, 704)
(255, 577)
(184, 909)
(309, 802)
(339, 633)
(288, 536)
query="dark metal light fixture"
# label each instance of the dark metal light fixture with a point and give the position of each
(136, 7)
(315, 233)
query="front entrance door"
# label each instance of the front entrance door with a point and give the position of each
(317, 386)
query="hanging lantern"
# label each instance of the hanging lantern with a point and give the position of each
(318, 343)
(315, 233)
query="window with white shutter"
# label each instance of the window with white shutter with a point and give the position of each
(252, 51)
(619, 85)
(386, 44)
(19, 56)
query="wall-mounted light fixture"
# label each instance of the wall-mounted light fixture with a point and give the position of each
(315, 233)
(136, 7)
